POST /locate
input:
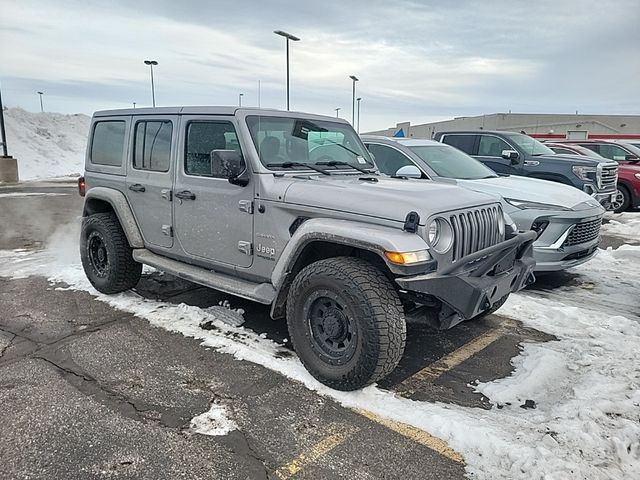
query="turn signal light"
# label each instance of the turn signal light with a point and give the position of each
(81, 187)
(407, 258)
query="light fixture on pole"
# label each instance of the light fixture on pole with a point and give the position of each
(353, 100)
(338, 111)
(41, 106)
(293, 38)
(134, 104)
(358, 117)
(240, 95)
(151, 63)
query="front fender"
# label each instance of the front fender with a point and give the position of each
(119, 203)
(374, 238)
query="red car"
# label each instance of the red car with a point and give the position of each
(627, 156)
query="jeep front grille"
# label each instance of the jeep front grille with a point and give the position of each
(607, 177)
(476, 229)
(583, 232)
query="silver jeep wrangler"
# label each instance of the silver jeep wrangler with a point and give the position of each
(287, 209)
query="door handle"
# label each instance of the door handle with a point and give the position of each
(136, 187)
(186, 195)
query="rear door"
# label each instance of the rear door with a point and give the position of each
(213, 218)
(149, 177)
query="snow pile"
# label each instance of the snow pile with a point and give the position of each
(585, 387)
(625, 225)
(46, 144)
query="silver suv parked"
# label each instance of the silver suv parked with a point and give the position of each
(566, 221)
(286, 209)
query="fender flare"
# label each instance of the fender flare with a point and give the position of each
(374, 238)
(120, 205)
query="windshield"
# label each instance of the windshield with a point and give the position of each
(280, 140)
(449, 162)
(529, 145)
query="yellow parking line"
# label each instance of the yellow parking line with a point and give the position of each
(417, 435)
(318, 450)
(449, 361)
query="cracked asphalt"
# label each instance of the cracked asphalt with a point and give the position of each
(87, 391)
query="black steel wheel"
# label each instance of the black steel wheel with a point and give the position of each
(106, 255)
(346, 322)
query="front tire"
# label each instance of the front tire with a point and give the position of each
(622, 201)
(106, 255)
(346, 322)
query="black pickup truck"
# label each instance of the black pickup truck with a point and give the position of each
(518, 154)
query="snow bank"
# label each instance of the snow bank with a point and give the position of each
(586, 385)
(46, 144)
(625, 225)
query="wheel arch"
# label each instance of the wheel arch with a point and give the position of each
(104, 200)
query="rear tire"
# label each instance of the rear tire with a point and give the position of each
(346, 322)
(623, 199)
(106, 255)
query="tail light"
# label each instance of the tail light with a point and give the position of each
(81, 186)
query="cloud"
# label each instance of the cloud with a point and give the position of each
(416, 60)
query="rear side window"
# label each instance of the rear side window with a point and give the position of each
(202, 139)
(152, 146)
(461, 142)
(107, 146)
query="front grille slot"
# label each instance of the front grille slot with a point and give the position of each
(583, 232)
(475, 230)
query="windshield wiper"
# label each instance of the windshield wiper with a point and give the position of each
(336, 163)
(297, 164)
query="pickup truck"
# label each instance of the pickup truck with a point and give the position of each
(518, 154)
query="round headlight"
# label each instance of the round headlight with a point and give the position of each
(440, 235)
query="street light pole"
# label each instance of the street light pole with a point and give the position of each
(3, 133)
(358, 100)
(240, 95)
(41, 106)
(353, 100)
(288, 36)
(337, 111)
(151, 63)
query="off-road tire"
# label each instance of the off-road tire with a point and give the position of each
(493, 308)
(121, 272)
(626, 199)
(370, 303)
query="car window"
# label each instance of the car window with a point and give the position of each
(287, 139)
(563, 151)
(491, 146)
(528, 145)
(107, 145)
(612, 152)
(450, 162)
(152, 145)
(461, 142)
(388, 159)
(202, 139)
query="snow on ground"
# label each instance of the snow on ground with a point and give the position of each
(625, 225)
(32, 194)
(46, 144)
(586, 385)
(214, 421)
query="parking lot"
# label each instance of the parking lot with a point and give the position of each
(109, 388)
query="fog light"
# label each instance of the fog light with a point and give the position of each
(407, 258)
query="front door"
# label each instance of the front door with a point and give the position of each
(490, 150)
(149, 177)
(213, 218)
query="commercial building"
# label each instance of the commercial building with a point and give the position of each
(546, 126)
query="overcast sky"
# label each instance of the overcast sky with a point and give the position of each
(417, 61)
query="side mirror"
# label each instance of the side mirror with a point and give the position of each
(409, 171)
(511, 155)
(229, 164)
(631, 158)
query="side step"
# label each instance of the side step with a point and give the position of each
(258, 292)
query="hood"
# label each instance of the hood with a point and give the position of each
(571, 159)
(386, 198)
(529, 189)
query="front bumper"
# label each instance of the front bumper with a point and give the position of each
(605, 198)
(472, 285)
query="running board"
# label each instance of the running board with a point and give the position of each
(258, 292)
